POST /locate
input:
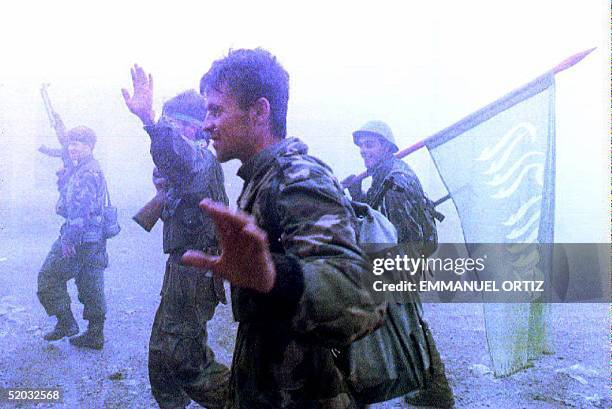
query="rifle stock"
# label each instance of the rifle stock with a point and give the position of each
(150, 213)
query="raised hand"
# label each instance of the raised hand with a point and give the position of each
(141, 102)
(245, 259)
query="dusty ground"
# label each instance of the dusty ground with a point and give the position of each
(117, 376)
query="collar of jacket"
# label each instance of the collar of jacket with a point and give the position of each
(84, 161)
(264, 158)
(79, 164)
(382, 170)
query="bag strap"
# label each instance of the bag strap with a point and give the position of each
(388, 183)
(107, 194)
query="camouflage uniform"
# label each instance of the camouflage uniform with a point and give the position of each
(181, 365)
(400, 201)
(282, 357)
(400, 204)
(81, 202)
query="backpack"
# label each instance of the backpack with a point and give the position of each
(426, 217)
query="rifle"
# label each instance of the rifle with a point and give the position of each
(150, 213)
(56, 123)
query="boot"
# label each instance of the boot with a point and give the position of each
(66, 327)
(92, 338)
(437, 393)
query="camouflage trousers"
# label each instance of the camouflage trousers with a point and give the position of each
(181, 365)
(87, 269)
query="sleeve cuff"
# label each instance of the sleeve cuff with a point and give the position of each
(155, 130)
(282, 301)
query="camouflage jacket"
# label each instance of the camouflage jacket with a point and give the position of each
(404, 203)
(193, 173)
(81, 203)
(282, 355)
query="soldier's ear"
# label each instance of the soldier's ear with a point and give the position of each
(390, 149)
(259, 112)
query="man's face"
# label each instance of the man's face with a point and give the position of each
(186, 129)
(189, 130)
(78, 150)
(373, 150)
(229, 126)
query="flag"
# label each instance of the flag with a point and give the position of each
(498, 166)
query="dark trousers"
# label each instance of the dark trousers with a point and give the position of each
(181, 365)
(87, 269)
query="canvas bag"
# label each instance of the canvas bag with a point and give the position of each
(388, 362)
(110, 222)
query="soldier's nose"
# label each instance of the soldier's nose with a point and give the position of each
(208, 124)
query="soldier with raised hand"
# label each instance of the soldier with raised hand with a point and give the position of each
(182, 366)
(397, 192)
(80, 251)
(290, 252)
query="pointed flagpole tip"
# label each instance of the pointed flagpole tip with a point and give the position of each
(570, 61)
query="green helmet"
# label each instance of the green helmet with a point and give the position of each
(376, 128)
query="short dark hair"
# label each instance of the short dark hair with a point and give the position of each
(82, 134)
(250, 75)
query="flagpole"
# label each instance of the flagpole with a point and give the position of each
(562, 66)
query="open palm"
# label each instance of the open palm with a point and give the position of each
(141, 102)
(245, 259)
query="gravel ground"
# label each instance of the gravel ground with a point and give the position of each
(576, 375)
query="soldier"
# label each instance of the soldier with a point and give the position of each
(397, 193)
(290, 252)
(182, 366)
(80, 251)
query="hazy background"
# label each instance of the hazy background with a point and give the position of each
(419, 66)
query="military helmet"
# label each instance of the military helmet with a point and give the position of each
(378, 129)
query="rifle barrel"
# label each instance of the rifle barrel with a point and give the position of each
(48, 106)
